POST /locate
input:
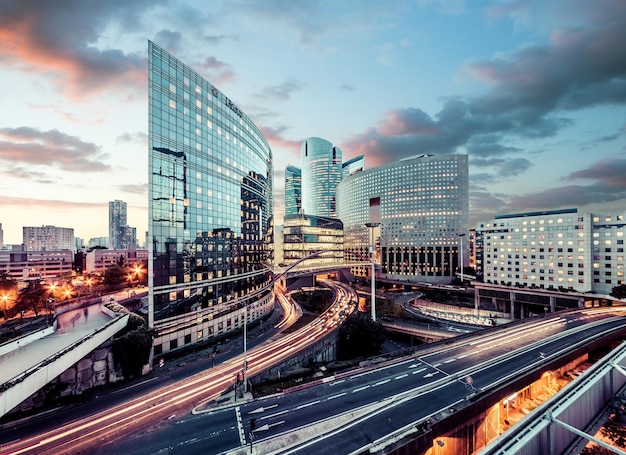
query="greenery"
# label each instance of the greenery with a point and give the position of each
(32, 297)
(619, 292)
(360, 337)
(116, 274)
(315, 301)
(131, 349)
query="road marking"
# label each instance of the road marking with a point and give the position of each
(449, 360)
(361, 388)
(401, 376)
(338, 381)
(242, 435)
(360, 374)
(336, 396)
(419, 371)
(271, 416)
(382, 382)
(302, 406)
(414, 365)
(263, 409)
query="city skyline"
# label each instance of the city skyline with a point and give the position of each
(532, 92)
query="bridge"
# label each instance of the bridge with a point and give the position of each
(29, 363)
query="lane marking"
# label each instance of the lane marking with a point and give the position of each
(382, 382)
(336, 396)
(361, 388)
(312, 403)
(401, 376)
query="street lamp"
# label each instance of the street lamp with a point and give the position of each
(461, 254)
(4, 299)
(373, 226)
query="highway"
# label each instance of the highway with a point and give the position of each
(172, 401)
(355, 411)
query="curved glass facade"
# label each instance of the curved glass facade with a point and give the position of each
(424, 206)
(321, 173)
(210, 205)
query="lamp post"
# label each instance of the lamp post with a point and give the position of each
(461, 254)
(245, 349)
(373, 226)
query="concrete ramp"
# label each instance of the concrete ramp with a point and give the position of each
(29, 364)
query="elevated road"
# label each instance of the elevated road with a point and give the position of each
(170, 402)
(372, 410)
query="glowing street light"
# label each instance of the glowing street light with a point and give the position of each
(5, 298)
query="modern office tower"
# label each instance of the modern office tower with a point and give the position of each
(321, 173)
(1, 237)
(305, 234)
(210, 208)
(422, 205)
(117, 223)
(354, 165)
(554, 250)
(293, 191)
(47, 238)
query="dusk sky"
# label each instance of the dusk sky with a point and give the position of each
(533, 91)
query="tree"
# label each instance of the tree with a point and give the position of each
(619, 292)
(116, 274)
(32, 296)
(8, 293)
(359, 336)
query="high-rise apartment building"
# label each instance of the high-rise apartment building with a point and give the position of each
(554, 250)
(293, 191)
(321, 173)
(210, 208)
(117, 223)
(422, 205)
(47, 238)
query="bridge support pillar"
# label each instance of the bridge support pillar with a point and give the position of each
(477, 300)
(552, 304)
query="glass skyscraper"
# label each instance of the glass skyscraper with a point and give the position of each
(293, 191)
(422, 205)
(210, 208)
(321, 173)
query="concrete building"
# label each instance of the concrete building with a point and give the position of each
(98, 242)
(422, 205)
(554, 250)
(305, 234)
(23, 265)
(321, 173)
(210, 208)
(98, 260)
(40, 238)
(1, 237)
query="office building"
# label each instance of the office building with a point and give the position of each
(422, 205)
(553, 250)
(42, 238)
(293, 191)
(352, 166)
(121, 236)
(210, 208)
(306, 234)
(321, 173)
(1, 237)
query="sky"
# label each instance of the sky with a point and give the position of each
(533, 91)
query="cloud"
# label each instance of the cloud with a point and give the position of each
(59, 40)
(140, 188)
(30, 146)
(610, 172)
(137, 137)
(276, 140)
(50, 204)
(505, 167)
(528, 94)
(347, 87)
(169, 40)
(281, 92)
(215, 70)
(27, 174)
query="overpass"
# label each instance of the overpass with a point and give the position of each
(28, 363)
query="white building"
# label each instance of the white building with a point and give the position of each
(39, 238)
(422, 205)
(559, 249)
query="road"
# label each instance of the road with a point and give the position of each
(172, 401)
(357, 410)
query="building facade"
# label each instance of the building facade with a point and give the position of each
(117, 223)
(305, 234)
(98, 260)
(352, 166)
(210, 208)
(422, 205)
(321, 173)
(22, 265)
(554, 250)
(293, 191)
(40, 238)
